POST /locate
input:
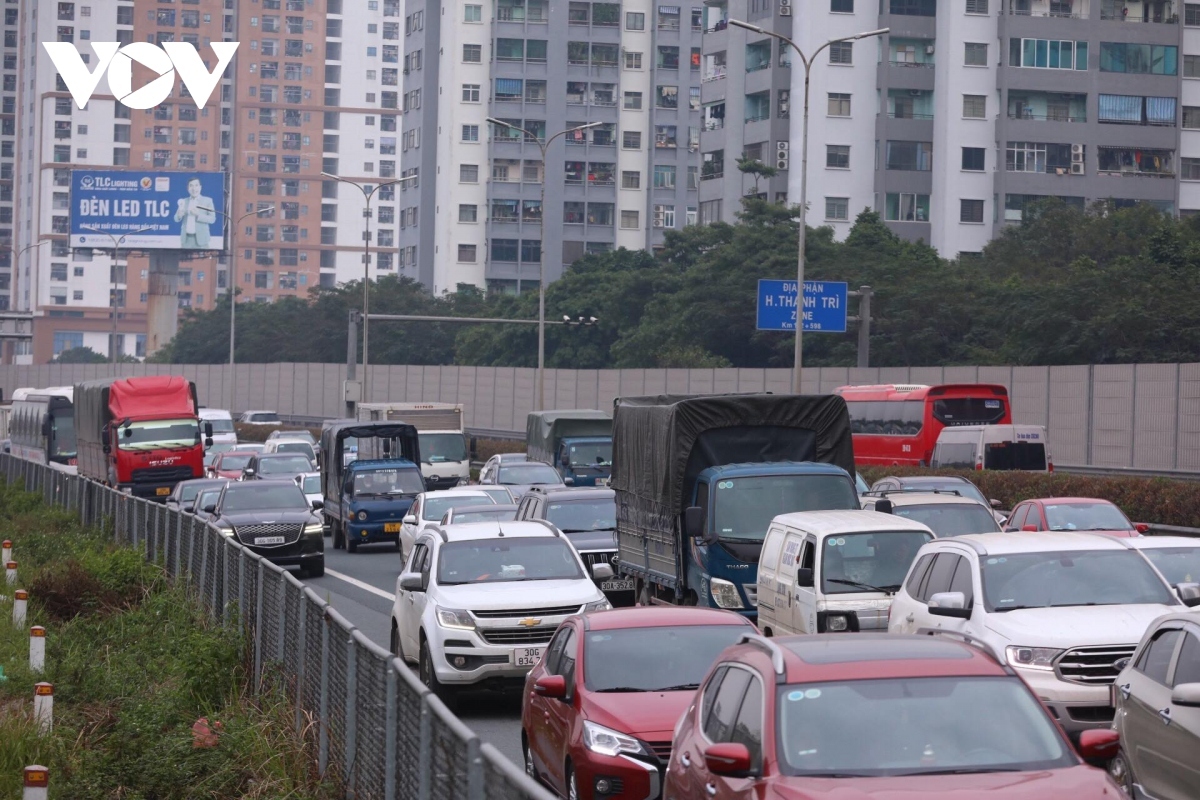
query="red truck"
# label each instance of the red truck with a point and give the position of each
(141, 435)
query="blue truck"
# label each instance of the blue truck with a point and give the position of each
(577, 443)
(698, 480)
(366, 498)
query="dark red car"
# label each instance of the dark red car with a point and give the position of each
(1073, 514)
(230, 465)
(601, 706)
(875, 717)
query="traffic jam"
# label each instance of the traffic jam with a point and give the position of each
(700, 597)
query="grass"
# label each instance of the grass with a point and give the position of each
(134, 663)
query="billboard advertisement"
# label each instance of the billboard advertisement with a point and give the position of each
(153, 210)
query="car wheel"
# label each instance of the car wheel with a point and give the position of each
(572, 788)
(395, 641)
(429, 677)
(530, 770)
(351, 545)
(1121, 772)
(317, 568)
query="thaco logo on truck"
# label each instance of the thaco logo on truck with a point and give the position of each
(117, 61)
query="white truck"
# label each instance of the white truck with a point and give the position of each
(445, 457)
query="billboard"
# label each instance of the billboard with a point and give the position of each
(154, 210)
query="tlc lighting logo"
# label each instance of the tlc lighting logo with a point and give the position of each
(117, 61)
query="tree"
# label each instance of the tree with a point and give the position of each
(752, 166)
(80, 355)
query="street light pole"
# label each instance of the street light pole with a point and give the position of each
(368, 191)
(543, 146)
(117, 241)
(807, 62)
(14, 266)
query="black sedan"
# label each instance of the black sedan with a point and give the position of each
(272, 518)
(267, 466)
(184, 494)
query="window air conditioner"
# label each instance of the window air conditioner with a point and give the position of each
(1077, 168)
(1077, 149)
(781, 163)
(782, 145)
(785, 11)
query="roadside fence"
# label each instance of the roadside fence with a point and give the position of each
(373, 726)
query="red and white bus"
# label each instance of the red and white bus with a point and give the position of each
(899, 423)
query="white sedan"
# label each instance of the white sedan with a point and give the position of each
(429, 508)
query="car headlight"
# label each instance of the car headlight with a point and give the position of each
(314, 527)
(362, 516)
(608, 742)
(599, 605)
(724, 593)
(224, 531)
(452, 618)
(1032, 657)
(837, 623)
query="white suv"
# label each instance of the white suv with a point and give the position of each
(1061, 608)
(477, 603)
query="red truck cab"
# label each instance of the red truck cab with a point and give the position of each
(141, 435)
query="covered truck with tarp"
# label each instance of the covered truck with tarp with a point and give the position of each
(367, 495)
(576, 442)
(698, 480)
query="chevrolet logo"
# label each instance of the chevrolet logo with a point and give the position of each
(529, 622)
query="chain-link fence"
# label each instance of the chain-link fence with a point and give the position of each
(374, 727)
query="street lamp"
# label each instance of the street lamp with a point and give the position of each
(368, 191)
(541, 367)
(807, 62)
(18, 252)
(117, 241)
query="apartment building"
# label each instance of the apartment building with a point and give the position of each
(10, 258)
(472, 211)
(746, 104)
(982, 107)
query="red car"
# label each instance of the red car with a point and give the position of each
(1073, 514)
(230, 465)
(875, 717)
(600, 707)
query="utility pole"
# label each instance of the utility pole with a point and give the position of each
(351, 398)
(864, 326)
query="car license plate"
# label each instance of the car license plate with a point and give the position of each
(603, 481)
(269, 540)
(391, 527)
(617, 586)
(527, 656)
(163, 491)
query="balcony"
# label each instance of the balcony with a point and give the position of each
(1136, 162)
(1133, 11)
(1061, 9)
(1047, 107)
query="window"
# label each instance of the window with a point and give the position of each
(837, 156)
(472, 13)
(912, 156)
(631, 179)
(839, 105)
(970, 211)
(470, 133)
(973, 158)
(720, 712)
(975, 55)
(1191, 66)
(466, 253)
(904, 207)
(473, 53)
(1132, 109)
(635, 21)
(841, 6)
(1156, 658)
(1187, 670)
(841, 53)
(837, 208)
(1139, 59)
(1189, 169)
(629, 220)
(1048, 54)
(468, 173)
(664, 216)
(977, 6)
(1191, 117)
(633, 101)
(668, 18)
(633, 60)
(470, 92)
(664, 176)
(631, 140)
(974, 106)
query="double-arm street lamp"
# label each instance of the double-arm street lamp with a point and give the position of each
(116, 248)
(543, 146)
(368, 190)
(807, 61)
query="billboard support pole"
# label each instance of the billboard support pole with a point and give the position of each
(116, 248)
(232, 272)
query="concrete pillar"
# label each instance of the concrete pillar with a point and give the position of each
(162, 307)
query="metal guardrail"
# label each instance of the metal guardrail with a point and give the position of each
(1127, 472)
(376, 730)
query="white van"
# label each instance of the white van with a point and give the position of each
(834, 571)
(1008, 447)
(222, 422)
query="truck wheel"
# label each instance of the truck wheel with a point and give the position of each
(317, 568)
(337, 536)
(351, 545)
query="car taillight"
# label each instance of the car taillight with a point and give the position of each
(979, 466)
(1050, 467)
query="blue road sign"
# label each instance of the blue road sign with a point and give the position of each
(824, 306)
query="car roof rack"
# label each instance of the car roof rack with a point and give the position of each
(772, 649)
(967, 639)
(914, 490)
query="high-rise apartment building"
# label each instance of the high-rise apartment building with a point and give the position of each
(746, 104)
(473, 212)
(9, 76)
(967, 112)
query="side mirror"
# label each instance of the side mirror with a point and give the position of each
(569, 481)
(602, 572)
(211, 508)
(1029, 528)
(411, 582)
(994, 503)
(1186, 694)
(248, 472)
(949, 604)
(128, 432)
(693, 522)
(189, 509)
(729, 759)
(208, 441)
(804, 577)
(1100, 744)
(551, 686)
(884, 506)
(1189, 593)
(1141, 527)
(409, 519)
(208, 432)
(317, 505)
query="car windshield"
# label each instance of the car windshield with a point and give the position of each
(590, 453)
(264, 416)
(742, 508)
(436, 507)
(915, 726)
(499, 515)
(210, 457)
(294, 447)
(1072, 578)
(654, 659)
(1177, 564)
(159, 433)
(233, 462)
(63, 425)
(509, 559)
(497, 495)
(388, 481)
(527, 474)
(573, 516)
(312, 484)
(1098, 516)
(950, 519)
(220, 424)
(964, 488)
(283, 465)
(440, 447)
(305, 435)
(868, 562)
(253, 496)
(188, 491)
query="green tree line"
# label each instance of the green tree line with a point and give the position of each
(1067, 286)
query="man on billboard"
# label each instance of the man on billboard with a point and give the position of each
(196, 212)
